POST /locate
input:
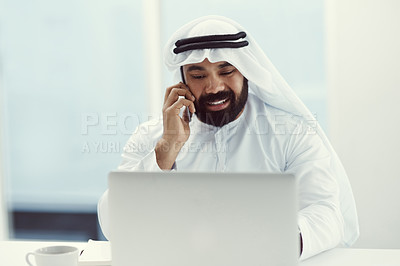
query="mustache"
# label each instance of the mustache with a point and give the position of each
(212, 97)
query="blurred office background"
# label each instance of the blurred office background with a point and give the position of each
(77, 77)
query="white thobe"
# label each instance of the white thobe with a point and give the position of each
(262, 139)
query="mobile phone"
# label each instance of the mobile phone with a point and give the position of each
(187, 112)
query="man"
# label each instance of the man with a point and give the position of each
(240, 115)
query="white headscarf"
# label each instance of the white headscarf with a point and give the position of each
(266, 83)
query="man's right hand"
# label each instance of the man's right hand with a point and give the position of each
(176, 129)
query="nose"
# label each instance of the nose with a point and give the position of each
(215, 84)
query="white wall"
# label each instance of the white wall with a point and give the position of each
(363, 53)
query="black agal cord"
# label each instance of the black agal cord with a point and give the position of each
(211, 41)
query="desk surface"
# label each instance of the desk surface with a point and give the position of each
(13, 253)
(350, 256)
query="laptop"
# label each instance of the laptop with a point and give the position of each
(203, 219)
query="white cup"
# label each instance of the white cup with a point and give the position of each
(54, 256)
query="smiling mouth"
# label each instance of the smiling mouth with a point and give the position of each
(217, 102)
(218, 105)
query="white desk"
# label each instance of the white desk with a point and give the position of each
(12, 253)
(355, 257)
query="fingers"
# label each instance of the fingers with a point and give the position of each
(177, 93)
(169, 89)
(172, 93)
(175, 108)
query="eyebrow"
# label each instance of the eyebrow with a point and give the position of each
(193, 68)
(224, 65)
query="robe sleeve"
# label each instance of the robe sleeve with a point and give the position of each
(319, 218)
(138, 155)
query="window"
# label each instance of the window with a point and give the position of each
(73, 85)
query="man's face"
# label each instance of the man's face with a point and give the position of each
(220, 91)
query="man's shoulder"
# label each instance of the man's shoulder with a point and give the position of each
(263, 111)
(151, 128)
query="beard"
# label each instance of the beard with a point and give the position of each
(227, 115)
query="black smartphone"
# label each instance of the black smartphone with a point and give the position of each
(188, 113)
